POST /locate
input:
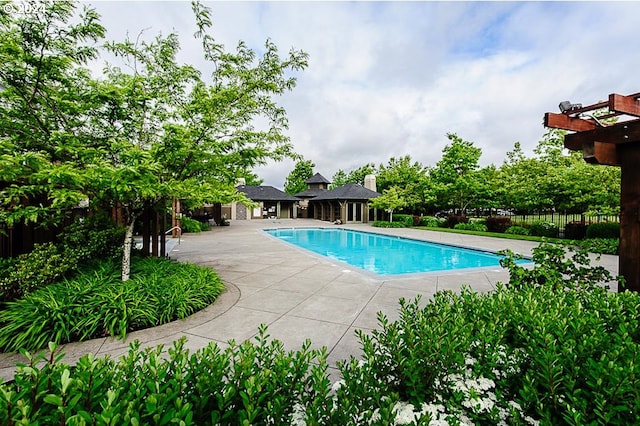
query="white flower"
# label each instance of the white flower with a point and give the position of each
(297, 417)
(432, 409)
(375, 417)
(465, 421)
(405, 413)
(470, 361)
(515, 405)
(531, 421)
(483, 383)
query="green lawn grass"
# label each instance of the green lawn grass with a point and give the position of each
(494, 234)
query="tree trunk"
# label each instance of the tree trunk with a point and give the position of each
(126, 250)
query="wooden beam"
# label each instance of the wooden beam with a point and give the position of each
(624, 104)
(601, 153)
(565, 122)
(629, 250)
(620, 133)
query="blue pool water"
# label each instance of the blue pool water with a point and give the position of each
(385, 255)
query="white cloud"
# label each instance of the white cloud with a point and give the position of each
(392, 78)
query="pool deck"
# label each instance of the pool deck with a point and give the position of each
(296, 293)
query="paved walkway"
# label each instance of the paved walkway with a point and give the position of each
(299, 295)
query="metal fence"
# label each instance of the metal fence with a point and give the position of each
(562, 219)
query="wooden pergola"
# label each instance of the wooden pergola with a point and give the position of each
(611, 144)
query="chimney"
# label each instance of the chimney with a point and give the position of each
(241, 182)
(370, 182)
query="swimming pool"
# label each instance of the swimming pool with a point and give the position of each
(385, 255)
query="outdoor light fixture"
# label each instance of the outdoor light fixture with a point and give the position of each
(567, 106)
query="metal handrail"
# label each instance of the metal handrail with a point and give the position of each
(179, 232)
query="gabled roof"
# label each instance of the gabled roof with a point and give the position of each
(265, 193)
(350, 191)
(317, 178)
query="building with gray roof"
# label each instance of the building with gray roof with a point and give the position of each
(272, 203)
(347, 203)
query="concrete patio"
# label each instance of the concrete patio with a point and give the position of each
(297, 294)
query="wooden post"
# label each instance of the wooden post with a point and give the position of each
(154, 232)
(163, 230)
(145, 232)
(176, 216)
(629, 251)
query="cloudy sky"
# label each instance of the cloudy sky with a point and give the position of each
(389, 79)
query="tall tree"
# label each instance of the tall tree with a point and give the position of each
(338, 179)
(521, 178)
(455, 176)
(45, 143)
(192, 137)
(296, 181)
(251, 178)
(354, 176)
(151, 130)
(555, 179)
(391, 199)
(412, 178)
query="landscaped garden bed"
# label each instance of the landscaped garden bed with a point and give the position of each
(73, 290)
(552, 346)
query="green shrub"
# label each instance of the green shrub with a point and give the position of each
(432, 221)
(553, 266)
(515, 356)
(481, 220)
(94, 237)
(251, 383)
(544, 229)
(471, 226)
(189, 225)
(97, 303)
(600, 245)
(517, 230)
(523, 354)
(30, 271)
(498, 223)
(603, 230)
(386, 224)
(405, 219)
